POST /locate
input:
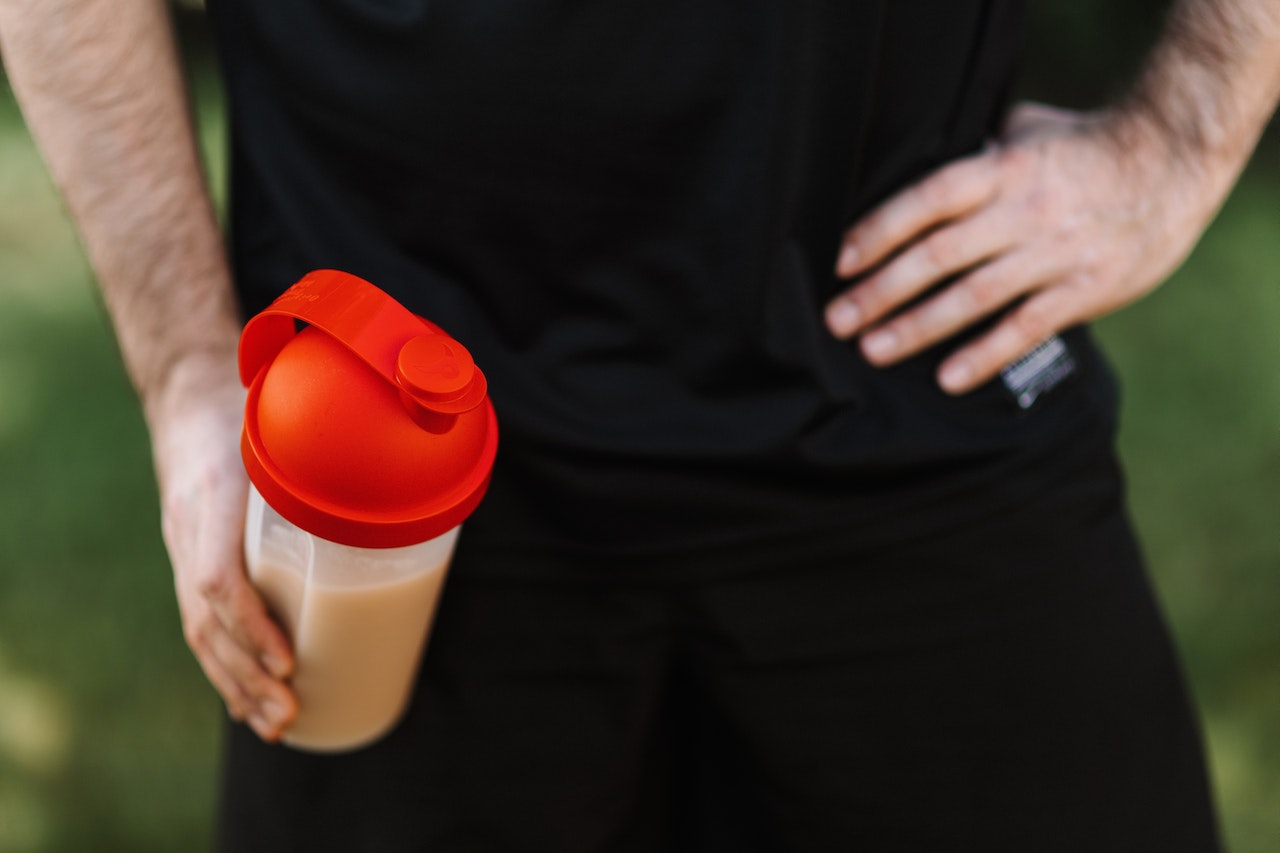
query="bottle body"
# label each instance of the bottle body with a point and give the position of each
(358, 619)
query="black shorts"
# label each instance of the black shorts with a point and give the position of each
(1010, 687)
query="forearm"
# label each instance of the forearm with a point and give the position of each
(101, 88)
(103, 95)
(1210, 84)
(1066, 216)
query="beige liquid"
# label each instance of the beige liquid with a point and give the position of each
(357, 649)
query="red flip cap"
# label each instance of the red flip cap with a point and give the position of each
(371, 427)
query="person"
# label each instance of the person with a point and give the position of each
(806, 531)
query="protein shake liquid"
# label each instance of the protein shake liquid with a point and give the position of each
(368, 439)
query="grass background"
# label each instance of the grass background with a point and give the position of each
(108, 732)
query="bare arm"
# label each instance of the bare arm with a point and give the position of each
(1067, 216)
(103, 95)
(1212, 82)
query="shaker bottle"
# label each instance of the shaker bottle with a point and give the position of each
(368, 439)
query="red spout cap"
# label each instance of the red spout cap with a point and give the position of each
(370, 427)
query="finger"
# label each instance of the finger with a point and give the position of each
(944, 253)
(1043, 314)
(238, 704)
(203, 531)
(270, 704)
(200, 627)
(249, 690)
(978, 294)
(245, 618)
(954, 190)
(217, 566)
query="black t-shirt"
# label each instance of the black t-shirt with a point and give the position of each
(629, 211)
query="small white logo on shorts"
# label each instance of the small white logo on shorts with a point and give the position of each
(1038, 371)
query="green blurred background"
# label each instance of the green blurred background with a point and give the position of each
(108, 732)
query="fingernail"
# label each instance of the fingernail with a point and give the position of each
(955, 377)
(880, 345)
(274, 665)
(848, 258)
(843, 318)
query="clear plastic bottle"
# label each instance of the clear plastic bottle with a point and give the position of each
(368, 439)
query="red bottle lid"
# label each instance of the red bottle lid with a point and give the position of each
(370, 427)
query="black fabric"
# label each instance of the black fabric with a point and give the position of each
(629, 211)
(1005, 689)
(731, 588)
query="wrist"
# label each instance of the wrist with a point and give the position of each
(177, 328)
(1181, 177)
(201, 383)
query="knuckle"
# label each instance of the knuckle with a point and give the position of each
(908, 330)
(238, 704)
(214, 584)
(878, 300)
(940, 252)
(1032, 322)
(981, 291)
(1042, 205)
(196, 634)
(194, 639)
(866, 298)
(1016, 160)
